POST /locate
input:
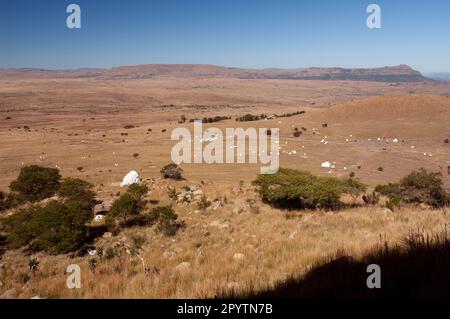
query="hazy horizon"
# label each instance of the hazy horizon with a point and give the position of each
(217, 65)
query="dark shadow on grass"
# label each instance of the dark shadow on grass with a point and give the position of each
(418, 268)
(2, 245)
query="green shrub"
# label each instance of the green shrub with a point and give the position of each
(353, 187)
(33, 263)
(250, 118)
(204, 203)
(137, 190)
(75, 189)
(165, 219)
(294, 189)
(424, 187)
(36, 183)
(3, 198)
(393, 203)
(123, 208)
(172, 171)
(418, 187)
(172, 193)
(55, 228)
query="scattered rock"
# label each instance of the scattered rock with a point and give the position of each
(217, 223)
(9, 294)
(216, 205)
(130, 179)
(206, 233)
(107, 235)
(198, 194)
(238, 257)
(185, 197)
(104, 206)
(99, 218)
(194, 188)
(184, 266)
(326, 164)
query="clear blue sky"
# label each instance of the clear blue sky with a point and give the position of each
(242, 33)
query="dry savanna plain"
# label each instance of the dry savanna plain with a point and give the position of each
(98, 130)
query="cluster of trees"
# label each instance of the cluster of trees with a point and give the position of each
(61, 225)
(418, 187)
(214, 119)
(295, 190)
(290, 114)
(251, 117)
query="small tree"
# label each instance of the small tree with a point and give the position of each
(137, 190)
(172, 171)
(36, 182)
(353, 187)
(123, 208)
(165, 219)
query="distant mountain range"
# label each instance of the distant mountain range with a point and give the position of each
(445, 77)
(401, 73)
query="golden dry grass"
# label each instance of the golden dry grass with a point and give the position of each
(275, 246)
(88, 118)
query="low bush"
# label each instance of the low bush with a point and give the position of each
(203, 203)
(294, 189)
(172, 171)
(165, 219)
(137, 190)
(11, 200)
(172, 193)
(297, 133)
(125, 207)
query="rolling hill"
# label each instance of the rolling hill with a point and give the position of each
(401, 73)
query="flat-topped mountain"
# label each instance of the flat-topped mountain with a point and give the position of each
(401, 73)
